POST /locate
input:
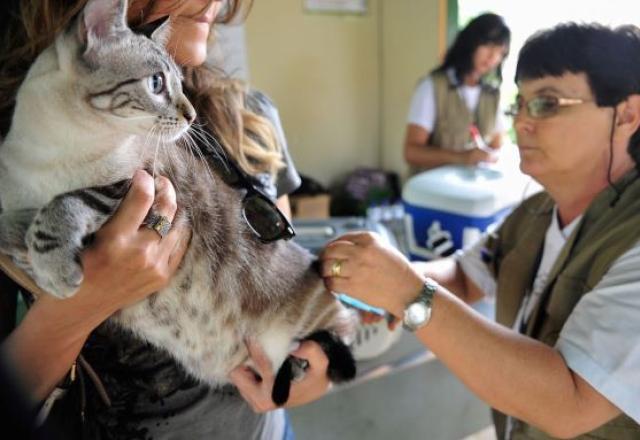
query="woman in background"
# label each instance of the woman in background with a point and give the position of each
(454, 116)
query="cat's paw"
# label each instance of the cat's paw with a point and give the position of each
(57, 272)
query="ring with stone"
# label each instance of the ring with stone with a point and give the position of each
(159, 223)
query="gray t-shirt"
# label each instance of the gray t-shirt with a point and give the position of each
(152, 397)
(288, 179)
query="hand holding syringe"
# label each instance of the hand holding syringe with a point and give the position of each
(481, 145)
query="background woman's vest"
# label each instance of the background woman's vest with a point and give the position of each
(453, 118)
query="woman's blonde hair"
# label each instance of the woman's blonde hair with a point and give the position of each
(219, 100)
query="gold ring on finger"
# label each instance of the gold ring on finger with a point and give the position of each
(336, 268)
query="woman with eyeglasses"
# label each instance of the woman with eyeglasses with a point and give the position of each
(563, 359)
(454, 116)
(151, 396)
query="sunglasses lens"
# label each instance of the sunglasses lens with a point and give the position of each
(264, 218)
(542, 106)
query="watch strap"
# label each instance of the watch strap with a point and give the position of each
(425, 298)
(427, 292)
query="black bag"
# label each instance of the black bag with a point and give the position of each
(363, 188)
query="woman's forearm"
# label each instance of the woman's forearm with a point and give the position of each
(48, 340)
(502, 366)
(427, 156)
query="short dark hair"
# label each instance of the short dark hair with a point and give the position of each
(609, 57)
(486, 28)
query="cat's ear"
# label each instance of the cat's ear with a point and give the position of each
(102, 19)
(161, 34)
(157, 30)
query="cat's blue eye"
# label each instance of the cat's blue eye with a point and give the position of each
(156, 83)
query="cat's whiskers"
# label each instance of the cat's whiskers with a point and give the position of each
(188, 144)
(170, 154)
(204, 138)
(194, 149)
(184, 145)
(207, 138)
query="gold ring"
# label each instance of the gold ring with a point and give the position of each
(159, 223)
(336, 268)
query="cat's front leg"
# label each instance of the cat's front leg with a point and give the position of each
(61, 230)
(13, 230)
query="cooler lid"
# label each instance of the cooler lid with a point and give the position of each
(475, 191)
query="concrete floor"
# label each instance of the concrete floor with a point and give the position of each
(424, 402)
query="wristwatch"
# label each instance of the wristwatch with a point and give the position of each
(417, 313)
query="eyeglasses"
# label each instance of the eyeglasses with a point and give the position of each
(262, 215)
(542, 106)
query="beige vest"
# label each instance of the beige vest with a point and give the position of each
(451, 130)
(604, 234)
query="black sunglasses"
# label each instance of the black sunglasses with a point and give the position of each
(262, 215)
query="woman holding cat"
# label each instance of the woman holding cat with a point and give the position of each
(152, 396)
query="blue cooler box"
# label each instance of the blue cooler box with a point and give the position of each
(449, 208)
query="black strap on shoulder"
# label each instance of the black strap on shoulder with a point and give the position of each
(8, 303)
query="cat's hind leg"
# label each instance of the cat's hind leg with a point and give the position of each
(342, 365)
(341, 368)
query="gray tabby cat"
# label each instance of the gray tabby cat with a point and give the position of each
(97, 105)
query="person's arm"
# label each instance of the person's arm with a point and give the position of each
(418, 153)
(125, 264)
(496, 141)
(511, 372)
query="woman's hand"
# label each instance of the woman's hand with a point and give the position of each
(362, 266)
(257, 390)
(476, 155)
(127, 261)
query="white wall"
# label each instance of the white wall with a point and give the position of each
(342, 83)
(410, 43)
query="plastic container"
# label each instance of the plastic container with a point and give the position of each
(374, 339)
(449, 207)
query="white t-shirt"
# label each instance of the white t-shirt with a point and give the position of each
(600, 340)
(423, 111)
(554, 241)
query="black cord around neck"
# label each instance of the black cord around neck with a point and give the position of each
(610, 166)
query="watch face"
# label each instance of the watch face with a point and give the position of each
(417, 314)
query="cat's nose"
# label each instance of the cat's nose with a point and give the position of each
(189, 115)
(187, 110)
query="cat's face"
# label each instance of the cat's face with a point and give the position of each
(127, 78)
